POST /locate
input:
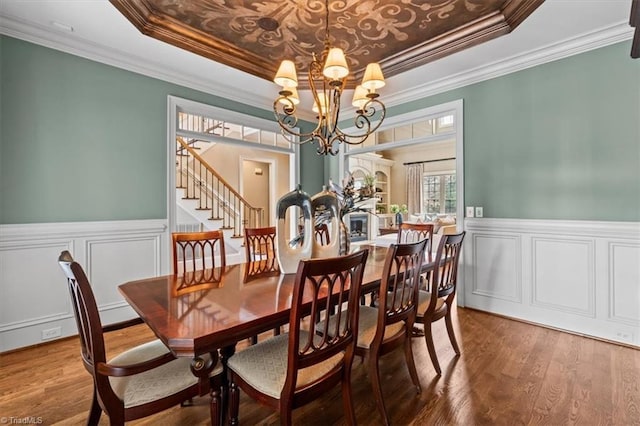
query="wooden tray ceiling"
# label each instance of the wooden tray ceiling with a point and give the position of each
(254, 36)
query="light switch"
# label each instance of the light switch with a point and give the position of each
(470, 211)
(479, 212)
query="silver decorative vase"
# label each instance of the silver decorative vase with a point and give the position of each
(288, 256)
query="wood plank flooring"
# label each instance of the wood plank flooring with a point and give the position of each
(509, 373)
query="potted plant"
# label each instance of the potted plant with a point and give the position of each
(368, 189)
(399, 210)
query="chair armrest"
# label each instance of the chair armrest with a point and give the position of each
(122, 324)
(129, 370)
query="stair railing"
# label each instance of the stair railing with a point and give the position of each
(201, 182)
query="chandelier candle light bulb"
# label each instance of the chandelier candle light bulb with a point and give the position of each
(335, 67)
(286, 75)
(360, 98)
(327, 78)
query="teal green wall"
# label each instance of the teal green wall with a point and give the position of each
(83, 141)
(556, 141)
(312, 175)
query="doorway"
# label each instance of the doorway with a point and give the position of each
(416, 164)
(255, 186)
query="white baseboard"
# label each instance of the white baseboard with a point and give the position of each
(579, 276)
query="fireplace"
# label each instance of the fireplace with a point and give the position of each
(359, 227)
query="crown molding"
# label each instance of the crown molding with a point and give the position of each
(46, 37)
(553, 52)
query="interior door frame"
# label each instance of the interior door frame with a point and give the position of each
(175, 104)
(456, 108)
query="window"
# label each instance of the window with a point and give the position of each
(195, 127)
(419, 128)
(439, 193)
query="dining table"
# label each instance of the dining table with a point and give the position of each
(208, 312)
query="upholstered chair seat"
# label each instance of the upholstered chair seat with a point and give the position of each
(424, 297)
(367, 325)
(160, 382)
(264, 366)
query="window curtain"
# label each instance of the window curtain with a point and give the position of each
(414, 188)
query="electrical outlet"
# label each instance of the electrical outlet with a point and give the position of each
(479, 212)
(623, 335)
(470, 211)
(51, 333)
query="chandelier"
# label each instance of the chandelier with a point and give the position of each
(327, 79)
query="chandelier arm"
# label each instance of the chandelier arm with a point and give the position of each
(335, 102)
(285, 113)
(362, 120)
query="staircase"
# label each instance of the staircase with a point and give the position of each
(209, 200)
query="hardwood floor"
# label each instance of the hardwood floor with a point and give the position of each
(509, 373)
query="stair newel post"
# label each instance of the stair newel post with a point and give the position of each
(203, 187)
(189, 181)
(225, 210)
(206, 188)
(210, 190)
(182, 185)
(217, 198)
(237, 221)
(199, 181)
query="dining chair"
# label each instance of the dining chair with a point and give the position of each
(196, 251)
(260, 246)
(143, 380)
(437, 301)
(388, 326)
(412, 232)
(260, 250)
(290, 370)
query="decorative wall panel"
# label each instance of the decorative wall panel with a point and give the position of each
(497, 268)
(35, 306)
(563, 275)
(29, 296)
(624, 283)
(578, 276)
(115, 261)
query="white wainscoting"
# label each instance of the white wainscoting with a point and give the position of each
(34, 294)
(578, 276)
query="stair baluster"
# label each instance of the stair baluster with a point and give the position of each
(200, 180)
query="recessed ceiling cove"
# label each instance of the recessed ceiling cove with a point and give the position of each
(255, 36)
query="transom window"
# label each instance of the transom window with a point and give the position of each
(192, 125)
(420, 128)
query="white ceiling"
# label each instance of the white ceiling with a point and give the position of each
(557, 29)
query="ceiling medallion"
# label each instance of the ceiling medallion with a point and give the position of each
(327, 80)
